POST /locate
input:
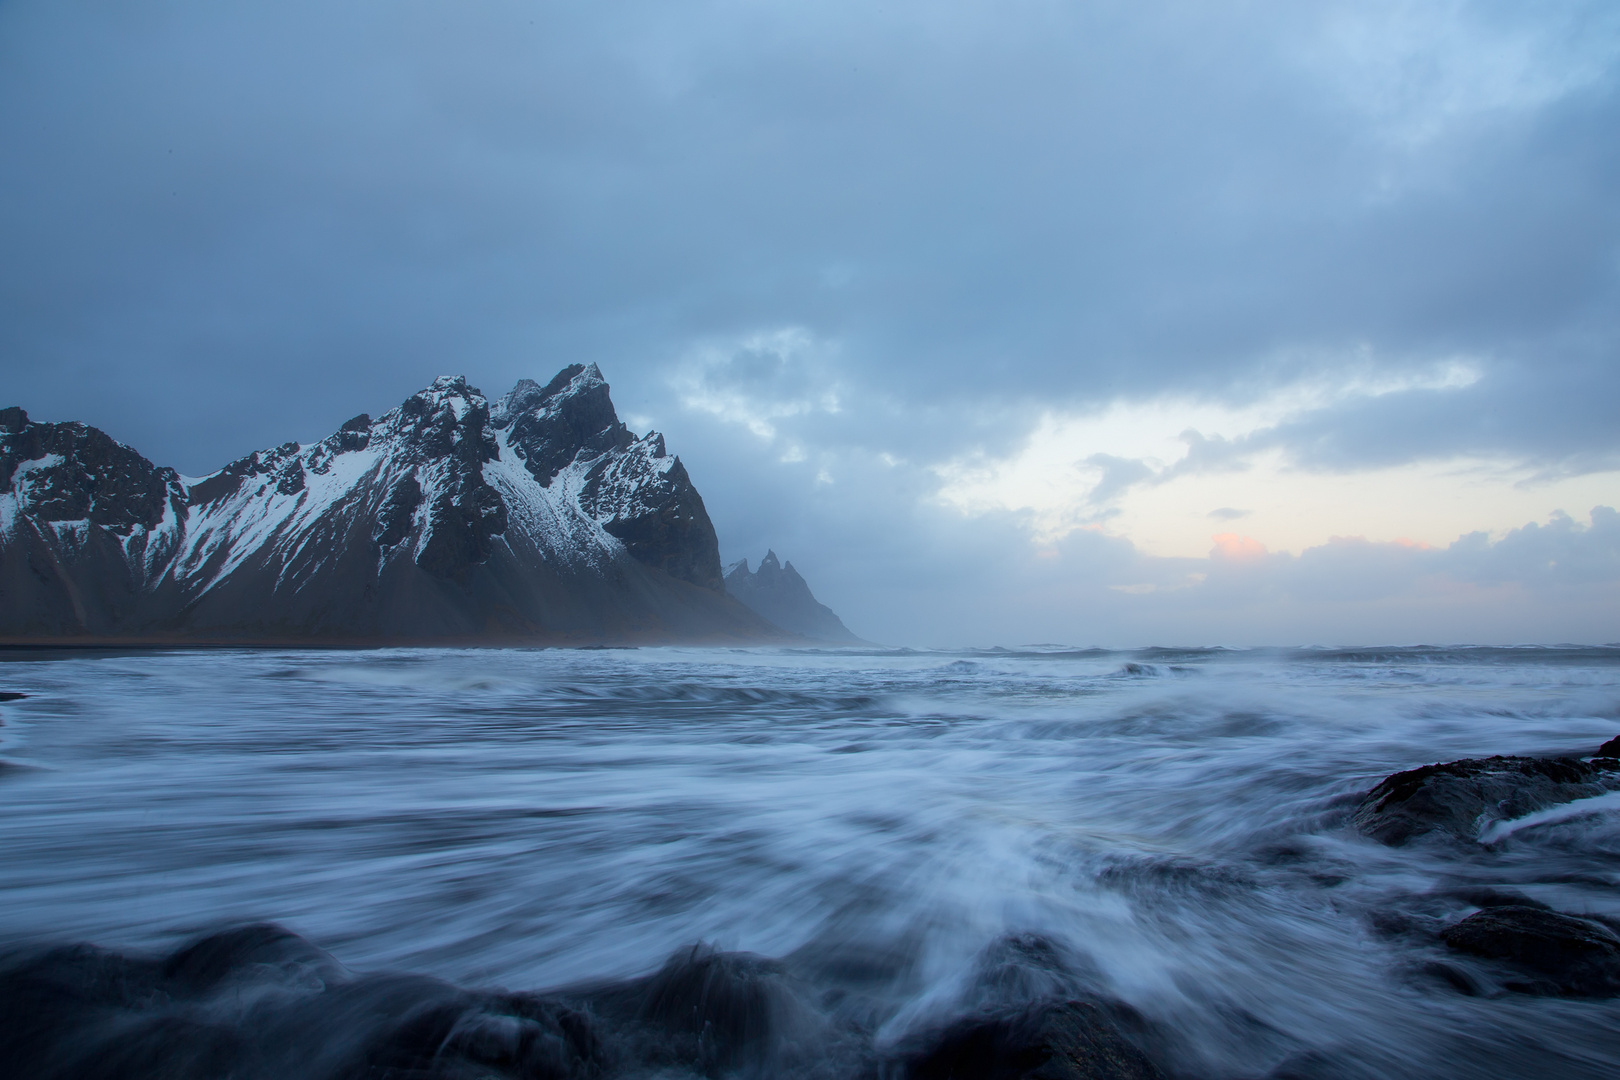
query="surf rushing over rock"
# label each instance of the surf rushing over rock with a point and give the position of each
(1546, 952)
(1458, 798)
(1526, 946)
(259, 1001)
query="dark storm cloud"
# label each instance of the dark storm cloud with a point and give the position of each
(1066, 199)
(222, 226)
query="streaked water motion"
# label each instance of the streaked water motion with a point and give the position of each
(1169, 823)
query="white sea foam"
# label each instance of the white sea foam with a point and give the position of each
(1498, 831)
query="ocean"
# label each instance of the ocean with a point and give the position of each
(907, 837)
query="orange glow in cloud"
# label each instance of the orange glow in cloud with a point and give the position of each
(1237, 548)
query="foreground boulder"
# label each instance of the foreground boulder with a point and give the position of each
(1457, 798)
(708, 1011)
(1071, 1040)
(1547, 952)
(259, 1001)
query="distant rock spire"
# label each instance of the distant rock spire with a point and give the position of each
(778, 593)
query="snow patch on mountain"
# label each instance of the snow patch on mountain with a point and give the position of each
(551, 516)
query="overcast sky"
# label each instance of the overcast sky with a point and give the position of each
(1038, 320)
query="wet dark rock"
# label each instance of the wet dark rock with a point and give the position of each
(727, 997)
(463, 1036)
(261, 1002)
(1610, 749)
(715, 1010)
(1069, 1040)
(1456, 798)
(258, 1002)
(1017, 969)
(11, 695)
(1486, 897)
(1550, 953)
(1397, 923)
(257, 950)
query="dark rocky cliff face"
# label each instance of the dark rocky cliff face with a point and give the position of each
(86, 527)
(72, 472)
(552, 426)
(656, 513)
(641, 496)
(781, 595)
(444, 518)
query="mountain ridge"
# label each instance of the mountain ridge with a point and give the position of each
(540, 517)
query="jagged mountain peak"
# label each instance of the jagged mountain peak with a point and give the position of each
(453, 385)
(449, 418)
(447, 395)
(771, 567)
(576, 379)
(528, 396)
(569, 419)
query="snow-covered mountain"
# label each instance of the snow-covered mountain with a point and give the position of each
(540, 517)
(782, 596)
